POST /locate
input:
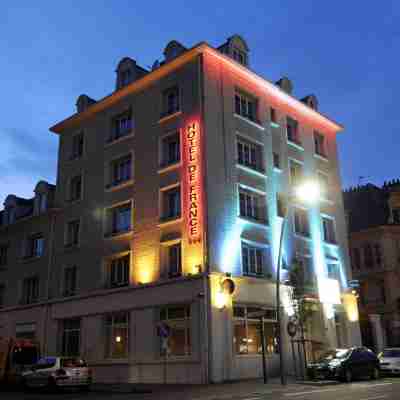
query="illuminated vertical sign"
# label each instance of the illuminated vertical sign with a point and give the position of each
(193, 182)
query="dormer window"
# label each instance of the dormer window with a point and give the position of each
(41, 200)
(239, 56)
(125, 77)
(11, 212)
(171, 101)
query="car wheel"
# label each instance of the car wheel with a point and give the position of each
(348, 376)
(375, 373)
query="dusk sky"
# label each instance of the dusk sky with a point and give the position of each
(346, 52)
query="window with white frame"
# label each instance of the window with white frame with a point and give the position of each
(249, 154)
(70, 281)
(171, 203)
(292, 130)
(119, 271)
(3, 255)
(178, 319)
(245, 106)
(328, 227)
(170, 101)
(70, 337)
(253, 260)
(323, 181)
(121, 170)
(301, 222)
(119, 219)
(117, 335)
(319, 144)
(252, 205)
(30, 290)
(75, 188)
(170, 149)
(72, 233)
(77, 146)
(296, 172)
(122, 125)
(34, 246)
(247, 330)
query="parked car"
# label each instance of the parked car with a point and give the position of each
(57, 372)
(346, 365)
(390, 360)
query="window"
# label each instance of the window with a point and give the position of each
(71, 337)
(296, 172)
(378, 254)
(77, 146)
(126, 77)
(333, 271)
(368, 256)
(356, 259)
(171, 101)
(323, 182)
(35, 246)
(319, 144)
(170, 149)
(117, 335)
(72, 233)
(247, 330)
(245, 106)
(328, 227)
(301, 225)
(251, 205)
(249, 154)
(273, 115)
(174, 259)
(122, 125)
(11, 214)
(292, 129)
(396, 215)
(3, 255)
(240, 56)
(171, 203)
(119, 219)
(178, 319)
(121, 170)
(252, 260)
(119, 271)
(41, 203)
(280, 205)
(276, 160)
(30, 290)
(75, 191)
(70, 281)
(2, 295)
(303, 276)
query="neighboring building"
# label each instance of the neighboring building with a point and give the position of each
(168, 187)
(374, 228)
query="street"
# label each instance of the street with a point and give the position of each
(384, 389)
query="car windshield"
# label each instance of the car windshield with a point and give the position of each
(46, 362)
(335, 354)
(391, 353)
(73, 363)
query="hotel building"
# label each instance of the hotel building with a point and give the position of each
(158, 245)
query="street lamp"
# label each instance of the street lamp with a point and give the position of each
(306, 192)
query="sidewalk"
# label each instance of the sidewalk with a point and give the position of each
(218, 391)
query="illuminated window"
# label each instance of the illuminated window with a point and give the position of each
(319, 144)
(122, 125)
(171, 203)
(170, 101)
(72, 233)
(119, 219)
(34, 246)
(178, 319)
(71, 337)
(249, 154)
(75, 188)
(253, 260)
(252, 205)
(30, 290)
(246, 106)
(301, 223)
(77, 146)
(170, 149)
(117, 336)
(296, 172)
(121, 170)
(247, 330)
(328, 227)
(70, 281)
(119, 271)
(3, 255)
(292, 130)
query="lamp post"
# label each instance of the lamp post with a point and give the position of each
(307, 192)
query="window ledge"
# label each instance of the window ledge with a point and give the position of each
(118, 235)
(169, 167)
(274, 124)
(112, 188)
(277, 169)
(327, 201)
(256, 222)
(321, 157)
(249, 121)
(129, 135)
(331, 244)
(165, 118)
(297, 146)
(170, 221)
(251, 170)
(302, 236)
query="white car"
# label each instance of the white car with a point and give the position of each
(56, 372)
(389, 360)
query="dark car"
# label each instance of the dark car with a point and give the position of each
(346, 365)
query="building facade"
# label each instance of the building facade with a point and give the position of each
(161, 241)
(374, 236)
